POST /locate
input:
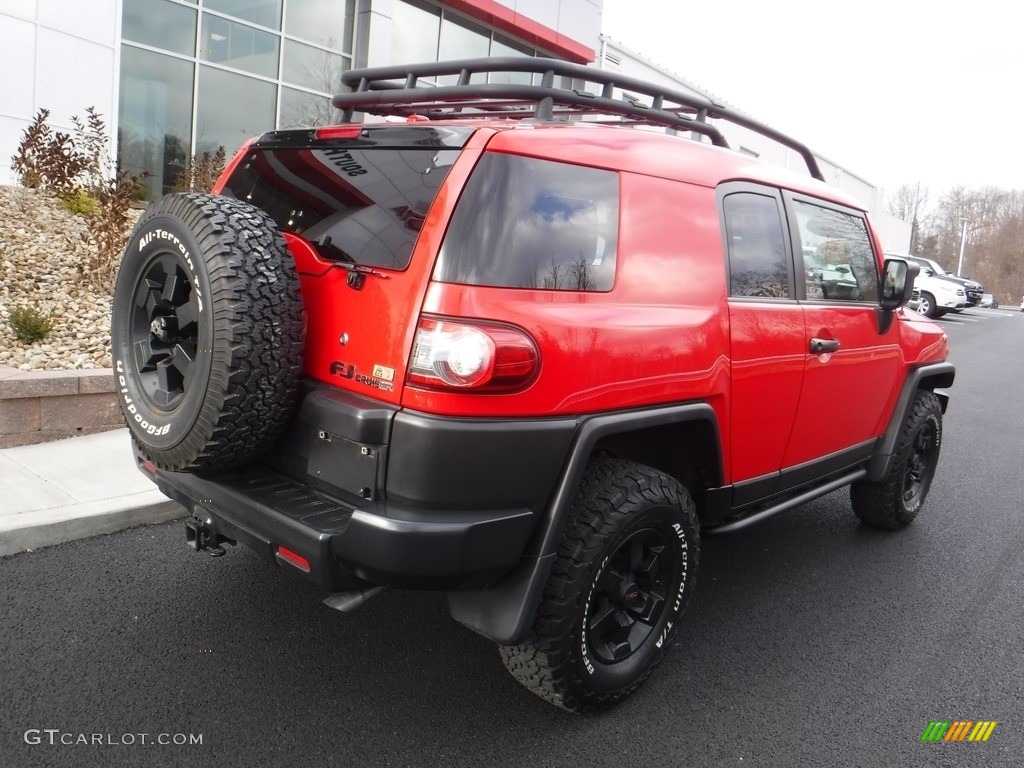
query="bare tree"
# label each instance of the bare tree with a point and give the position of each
(909, 203)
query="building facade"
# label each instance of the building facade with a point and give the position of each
(177, 78)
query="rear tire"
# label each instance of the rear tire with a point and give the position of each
(894, 501)
(206, 332)
(617, 590)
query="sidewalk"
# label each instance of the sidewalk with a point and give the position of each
(72, 489)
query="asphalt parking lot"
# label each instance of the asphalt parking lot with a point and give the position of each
(811, 640)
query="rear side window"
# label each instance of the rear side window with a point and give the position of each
(758, 262)
(365, 205)
(528, 223)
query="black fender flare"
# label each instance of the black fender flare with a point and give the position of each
(933, 376)
(505, 612)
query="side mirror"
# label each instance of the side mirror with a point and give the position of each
(898, 283)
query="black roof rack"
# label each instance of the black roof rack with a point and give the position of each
(394, 90)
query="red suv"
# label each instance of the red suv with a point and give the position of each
(523, 345)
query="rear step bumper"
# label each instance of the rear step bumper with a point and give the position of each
(345, 546)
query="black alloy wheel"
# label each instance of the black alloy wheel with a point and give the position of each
(165, 331)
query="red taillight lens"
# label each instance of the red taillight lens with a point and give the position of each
(449, 354)
(339, 132)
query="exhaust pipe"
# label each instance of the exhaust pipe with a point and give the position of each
(348, 601)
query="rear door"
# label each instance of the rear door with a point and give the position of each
(767, 335)
(850, 368)
(363, 209)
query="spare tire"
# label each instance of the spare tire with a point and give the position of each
(206, 332)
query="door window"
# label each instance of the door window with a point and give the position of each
(839, 263)
(758, 266)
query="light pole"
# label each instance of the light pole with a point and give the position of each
(963, 242)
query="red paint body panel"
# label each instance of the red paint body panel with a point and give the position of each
(659, 336)
(768, 349)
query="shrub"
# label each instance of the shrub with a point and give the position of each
(200, 172)
(77, 169)
(80, 202)
(29, 324)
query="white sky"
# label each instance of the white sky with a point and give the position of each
(896, 91)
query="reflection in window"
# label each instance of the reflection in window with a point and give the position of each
(231, 108)
(301, 109)
(414, 33)
(461, 40)
(265, 12)
(327, 22)
(758, 265)
(155, 116)
(161, 24)
(526, 223)
(239, 46)
(504, 47)
(366, 205)
(312, 68)
(839, 263)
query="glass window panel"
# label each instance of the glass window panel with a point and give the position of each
(758, 264)
(527, 223)
(301, 109)
(839, 262)
(155, 116)
(462, 41)
(239, 45)
(312, 67)
(328, 22)
(265, 12)
(161, 24)
(504, 47)
(231, 108)
(414, 33)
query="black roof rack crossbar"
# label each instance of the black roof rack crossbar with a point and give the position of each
(395, 90)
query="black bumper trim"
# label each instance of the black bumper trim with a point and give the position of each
(384, 543)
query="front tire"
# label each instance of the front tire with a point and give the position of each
(927, 307)
(617, 590)
(894, 501)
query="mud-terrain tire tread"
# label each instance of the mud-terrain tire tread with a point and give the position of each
(880, 503)
(258, 330)
(611, 491)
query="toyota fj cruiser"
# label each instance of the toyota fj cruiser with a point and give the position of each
(526, 346)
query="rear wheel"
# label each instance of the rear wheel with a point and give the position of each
(617, 590)
(206, 332)
(894, 501)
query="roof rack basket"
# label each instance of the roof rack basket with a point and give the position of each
(395, 90)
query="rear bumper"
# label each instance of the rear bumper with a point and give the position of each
(366, 493)
(346, 546)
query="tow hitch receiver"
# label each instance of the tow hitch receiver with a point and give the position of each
(201, 538)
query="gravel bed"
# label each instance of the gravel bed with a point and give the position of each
(41, 246)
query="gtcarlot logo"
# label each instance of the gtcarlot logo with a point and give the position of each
(56, 737)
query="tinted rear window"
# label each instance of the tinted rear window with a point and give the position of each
(370, 202)
(527, 223)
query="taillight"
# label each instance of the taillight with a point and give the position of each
(450, 354)
(339, 132)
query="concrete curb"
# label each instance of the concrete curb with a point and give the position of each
(34, 530)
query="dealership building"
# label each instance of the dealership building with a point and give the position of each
(176, 78)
